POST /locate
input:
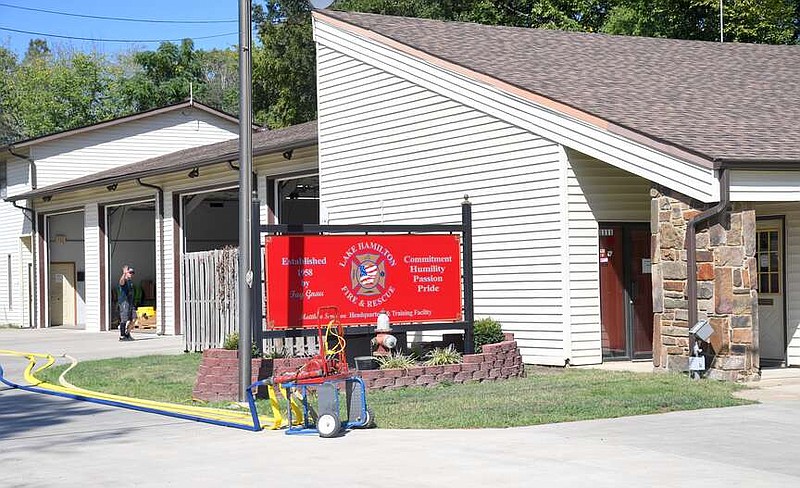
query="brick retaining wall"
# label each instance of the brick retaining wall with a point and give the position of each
(218, 377)
(496, 362)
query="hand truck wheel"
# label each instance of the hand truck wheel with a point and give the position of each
(369, 419)
(328, 425)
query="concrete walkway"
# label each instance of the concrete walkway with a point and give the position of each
(50, 441)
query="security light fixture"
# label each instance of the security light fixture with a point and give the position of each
(702, 330)
(194, 173)
(47, 198)
(288, 154)
(112, 187)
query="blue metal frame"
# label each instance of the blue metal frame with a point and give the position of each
(306, 427)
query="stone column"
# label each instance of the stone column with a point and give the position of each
(726, 286)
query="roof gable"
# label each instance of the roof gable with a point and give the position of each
(122, 120)
(719, 101)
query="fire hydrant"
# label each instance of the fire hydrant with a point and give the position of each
(383, 342)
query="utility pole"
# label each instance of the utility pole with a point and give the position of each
(245, 196)
(721, 38)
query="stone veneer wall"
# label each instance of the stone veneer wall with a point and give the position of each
(217, 376)
(726, 286)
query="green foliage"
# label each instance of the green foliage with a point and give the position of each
(443, 355)
(396, 361)
(163, 76)
(50, 92)
(284, 66)
(487, 331)
(760, 21)
(231, 343)
(219, 86)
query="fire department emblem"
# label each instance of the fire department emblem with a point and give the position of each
(367, 274)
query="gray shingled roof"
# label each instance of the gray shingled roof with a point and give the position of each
(266, 142)
(722, 101)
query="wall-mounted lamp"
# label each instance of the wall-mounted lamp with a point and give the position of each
(288, 154)
(194, 173)
(112, 187)
(47, 198)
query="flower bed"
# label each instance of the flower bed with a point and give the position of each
(497, 362)
(218, 377)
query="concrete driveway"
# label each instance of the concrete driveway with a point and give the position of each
(49, 441)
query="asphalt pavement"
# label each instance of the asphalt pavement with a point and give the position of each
(51, 441)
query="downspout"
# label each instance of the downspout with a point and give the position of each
(34, 260)
(161, 311)
(691, 246)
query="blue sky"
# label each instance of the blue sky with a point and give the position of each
(226, 34)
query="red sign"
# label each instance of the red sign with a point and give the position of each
(413, 278)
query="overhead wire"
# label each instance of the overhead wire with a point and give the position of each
(119, 19)
(77, 38)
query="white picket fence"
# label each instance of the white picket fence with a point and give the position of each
(209, 297)
(209, 294)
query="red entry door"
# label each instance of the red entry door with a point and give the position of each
(626, 293)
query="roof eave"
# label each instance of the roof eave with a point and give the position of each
(203, 162)
(763, 164)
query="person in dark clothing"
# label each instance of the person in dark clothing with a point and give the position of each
(125, 296)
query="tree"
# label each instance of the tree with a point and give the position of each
(37, 48)
(164, 76)
(8, 64)
(552, 14)
(49, 92)
(762, 21)
(284, 66)
(220, 79)
(758, 21)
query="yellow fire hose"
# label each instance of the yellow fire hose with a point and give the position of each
(248, 420)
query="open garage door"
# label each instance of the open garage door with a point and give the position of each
(66, 291)
(210, 220)
(131, 237)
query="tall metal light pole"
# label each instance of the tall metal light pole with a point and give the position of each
(245, 196)
(721, 37)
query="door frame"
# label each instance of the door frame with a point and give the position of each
(627, 272)
(781, 219)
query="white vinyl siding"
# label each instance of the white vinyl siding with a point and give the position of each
(168, 319)
(91, 237)
(791, 212)
(598, 192)
(765, 186)
(340, 49)
(394, 152)
(97, 150)
(13, 225)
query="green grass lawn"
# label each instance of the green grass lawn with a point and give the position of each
(546, 395)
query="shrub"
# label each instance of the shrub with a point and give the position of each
(443, 355)
(231, 343)
(396, 361)
(487, 331)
